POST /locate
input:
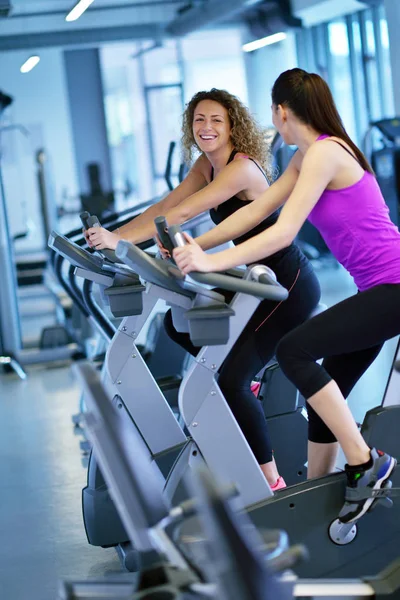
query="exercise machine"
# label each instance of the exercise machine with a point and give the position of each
(129, 379)
(54, 343)
(235, 569)
(307, 511)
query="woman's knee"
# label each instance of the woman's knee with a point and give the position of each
(239, 368)
(232, 383)
(287, 352)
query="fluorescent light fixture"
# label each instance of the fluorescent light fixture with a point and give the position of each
(78, 10)
(30, 64)
(266, 41)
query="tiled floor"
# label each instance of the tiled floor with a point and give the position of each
(41, 532)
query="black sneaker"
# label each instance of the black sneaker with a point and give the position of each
(362, 481)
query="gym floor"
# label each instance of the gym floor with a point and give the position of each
(41, 470)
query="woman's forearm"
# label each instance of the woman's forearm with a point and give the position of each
(258, 247)
(231, 228)
(142, 227)
(216, 236)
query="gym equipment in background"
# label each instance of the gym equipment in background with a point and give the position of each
(382, 147)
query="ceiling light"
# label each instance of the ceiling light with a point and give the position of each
(78, 10)
(266, 41)
(29, 64)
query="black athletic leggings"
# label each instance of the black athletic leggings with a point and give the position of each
(255, 348)
(349, 336)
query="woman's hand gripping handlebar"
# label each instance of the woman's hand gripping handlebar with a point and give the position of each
(260, 280)
(188, 255)
(89, 221)
(163, 239)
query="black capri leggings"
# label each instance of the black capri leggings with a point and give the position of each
(255, 348)
(349, 336)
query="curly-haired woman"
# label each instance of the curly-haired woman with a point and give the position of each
(226, 176)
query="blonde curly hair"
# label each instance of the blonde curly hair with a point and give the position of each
(246, 134)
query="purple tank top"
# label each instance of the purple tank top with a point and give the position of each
(355, 224)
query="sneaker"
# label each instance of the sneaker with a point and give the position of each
(279, 485)
(360, 483)
(255, 387)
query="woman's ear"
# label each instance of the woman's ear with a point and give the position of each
(282, 112)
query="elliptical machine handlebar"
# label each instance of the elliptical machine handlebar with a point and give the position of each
(162, 272)
(259, 274)
(165, 238)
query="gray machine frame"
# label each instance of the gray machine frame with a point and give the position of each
(131, 384)
(125, 373)
(128, 378)
(200, 378)
(137, 491)
(306, 509)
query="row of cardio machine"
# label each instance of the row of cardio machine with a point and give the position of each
(178, 438)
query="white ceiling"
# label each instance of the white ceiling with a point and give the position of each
(35, 23)
(21, 7)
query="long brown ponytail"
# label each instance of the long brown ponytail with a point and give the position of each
(308, 96)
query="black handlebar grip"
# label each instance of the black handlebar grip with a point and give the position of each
(84, 216)
(162, 232)
(93, 221)
(168, 168)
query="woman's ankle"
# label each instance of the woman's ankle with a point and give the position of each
(270, 471)
(359, 457)
(321, 459)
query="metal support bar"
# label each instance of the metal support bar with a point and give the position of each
(9, 361)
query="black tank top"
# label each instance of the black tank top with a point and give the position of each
(227, 208)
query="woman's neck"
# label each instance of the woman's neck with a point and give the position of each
(220, 157)
(304, 136)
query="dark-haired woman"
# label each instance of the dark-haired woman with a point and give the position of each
(227, 176)
(333, 186)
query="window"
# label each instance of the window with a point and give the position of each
(340, 74)
(386, 70)
(145, 87)
(321, 50)
(373, 89)
(164, 128)
(359, 95)
(126, 124)
(353, 55)
(161, 65)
